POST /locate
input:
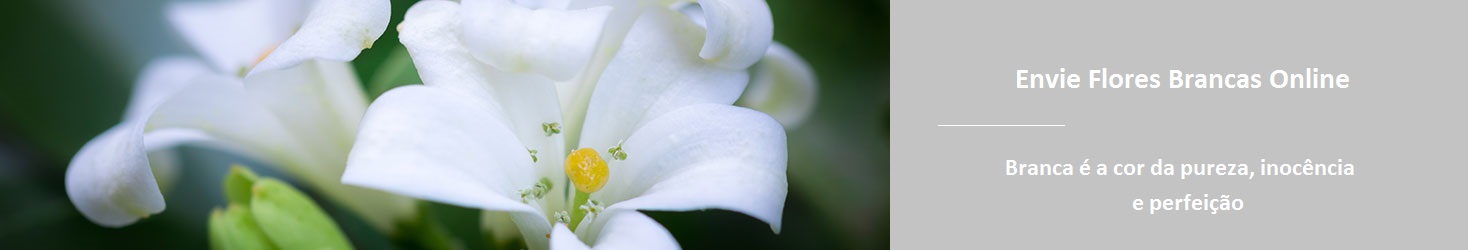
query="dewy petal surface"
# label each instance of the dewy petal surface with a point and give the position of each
(657, 70)
(782, 85)
(621, 230)
(335, 30)
(705, 156)
(553, 42)
(434, 144)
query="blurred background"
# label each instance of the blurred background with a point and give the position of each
(69, 67)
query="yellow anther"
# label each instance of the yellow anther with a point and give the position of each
(587, 170)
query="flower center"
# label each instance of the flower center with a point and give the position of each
(586, 170)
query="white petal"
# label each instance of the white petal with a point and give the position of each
(619, 230)
(782, 85)
(500, 228)
(562, 238)
(430, 32)
(656, 71)
(163, 159)
(220, 107)
(160, 79)
(703, 157)
(335, 30)
(232, 35)
(738, 31)
(320, 104)
(437, 145)
(109, 180)
(533, 227)
(556, 43)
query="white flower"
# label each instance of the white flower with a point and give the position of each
(505, 87)
(298, 107)
(782, 84)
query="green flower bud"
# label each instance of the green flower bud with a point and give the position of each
(238, 183)
(235, 228)
(292, 220)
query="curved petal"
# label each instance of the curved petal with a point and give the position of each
(220, 107)
(232, 35)
(656, 71)
(335, 30)
(499, 227)
(160, 79)
(561, 238)
(163, 160)
(620, 230)
(702, 157)
(430, 32)
(109, 180)
(227, 112)
(433, 144)
(782, 85)
(320, 103)
(739, 31)
(556, 43)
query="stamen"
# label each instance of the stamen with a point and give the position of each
(563, 217)
(617, 152)
(551, 128)
(535, 193)
(592, 207)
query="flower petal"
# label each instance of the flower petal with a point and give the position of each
(500, 228)
(555, 43)
(782, 85)
(320, 103)
(620, 230)
(430, 32)
(739, 31)
(656, 71)
(562, 238)
(160, 79)
(434, 144)
(109, 180)
(701, 157)
(230, 34)
(335, 30)
(220, 107)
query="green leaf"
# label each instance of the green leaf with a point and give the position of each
(292, 220)
(238, 183)
(235, 228)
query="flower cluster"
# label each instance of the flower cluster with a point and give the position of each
(562, 119)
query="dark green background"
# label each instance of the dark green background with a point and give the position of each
(69, 67)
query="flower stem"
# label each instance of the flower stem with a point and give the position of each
(576, 212)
